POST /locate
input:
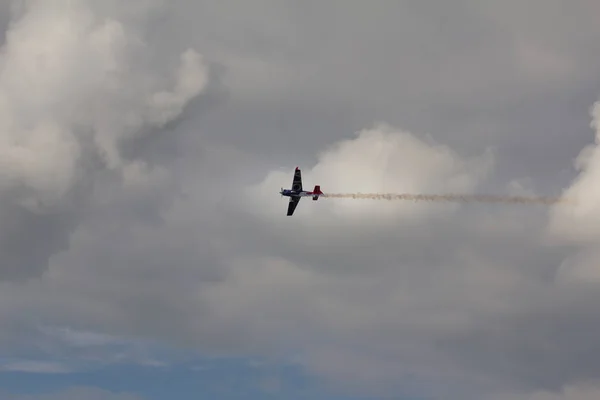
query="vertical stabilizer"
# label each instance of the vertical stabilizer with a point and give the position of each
(317, 192)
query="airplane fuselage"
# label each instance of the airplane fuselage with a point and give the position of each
(302, 193)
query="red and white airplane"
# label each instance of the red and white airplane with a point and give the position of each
(296, 192)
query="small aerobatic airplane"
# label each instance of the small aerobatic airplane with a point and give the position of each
(296, 192)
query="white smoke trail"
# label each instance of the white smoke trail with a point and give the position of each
(466, 198)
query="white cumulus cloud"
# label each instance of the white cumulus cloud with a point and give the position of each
(381, 159)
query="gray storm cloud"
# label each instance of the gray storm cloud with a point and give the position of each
(456, 296)
(491, 289)
(75, 85)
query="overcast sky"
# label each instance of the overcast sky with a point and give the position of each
(145, 251)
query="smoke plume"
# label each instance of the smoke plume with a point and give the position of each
(466, 198)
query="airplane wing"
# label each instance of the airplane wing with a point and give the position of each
(297, 183)
(294, 200)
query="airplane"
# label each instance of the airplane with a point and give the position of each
(296, 193)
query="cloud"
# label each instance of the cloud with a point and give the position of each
(83, 339)
(77, 393)
(35, 367)
(382, 159)
(581, 223)
(82, 350)
(474, 302)
(75, 87)
(570, 392)
(348, 285)
(459, 301)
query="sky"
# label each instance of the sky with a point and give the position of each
(145, 253)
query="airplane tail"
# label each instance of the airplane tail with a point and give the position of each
(317, 192)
